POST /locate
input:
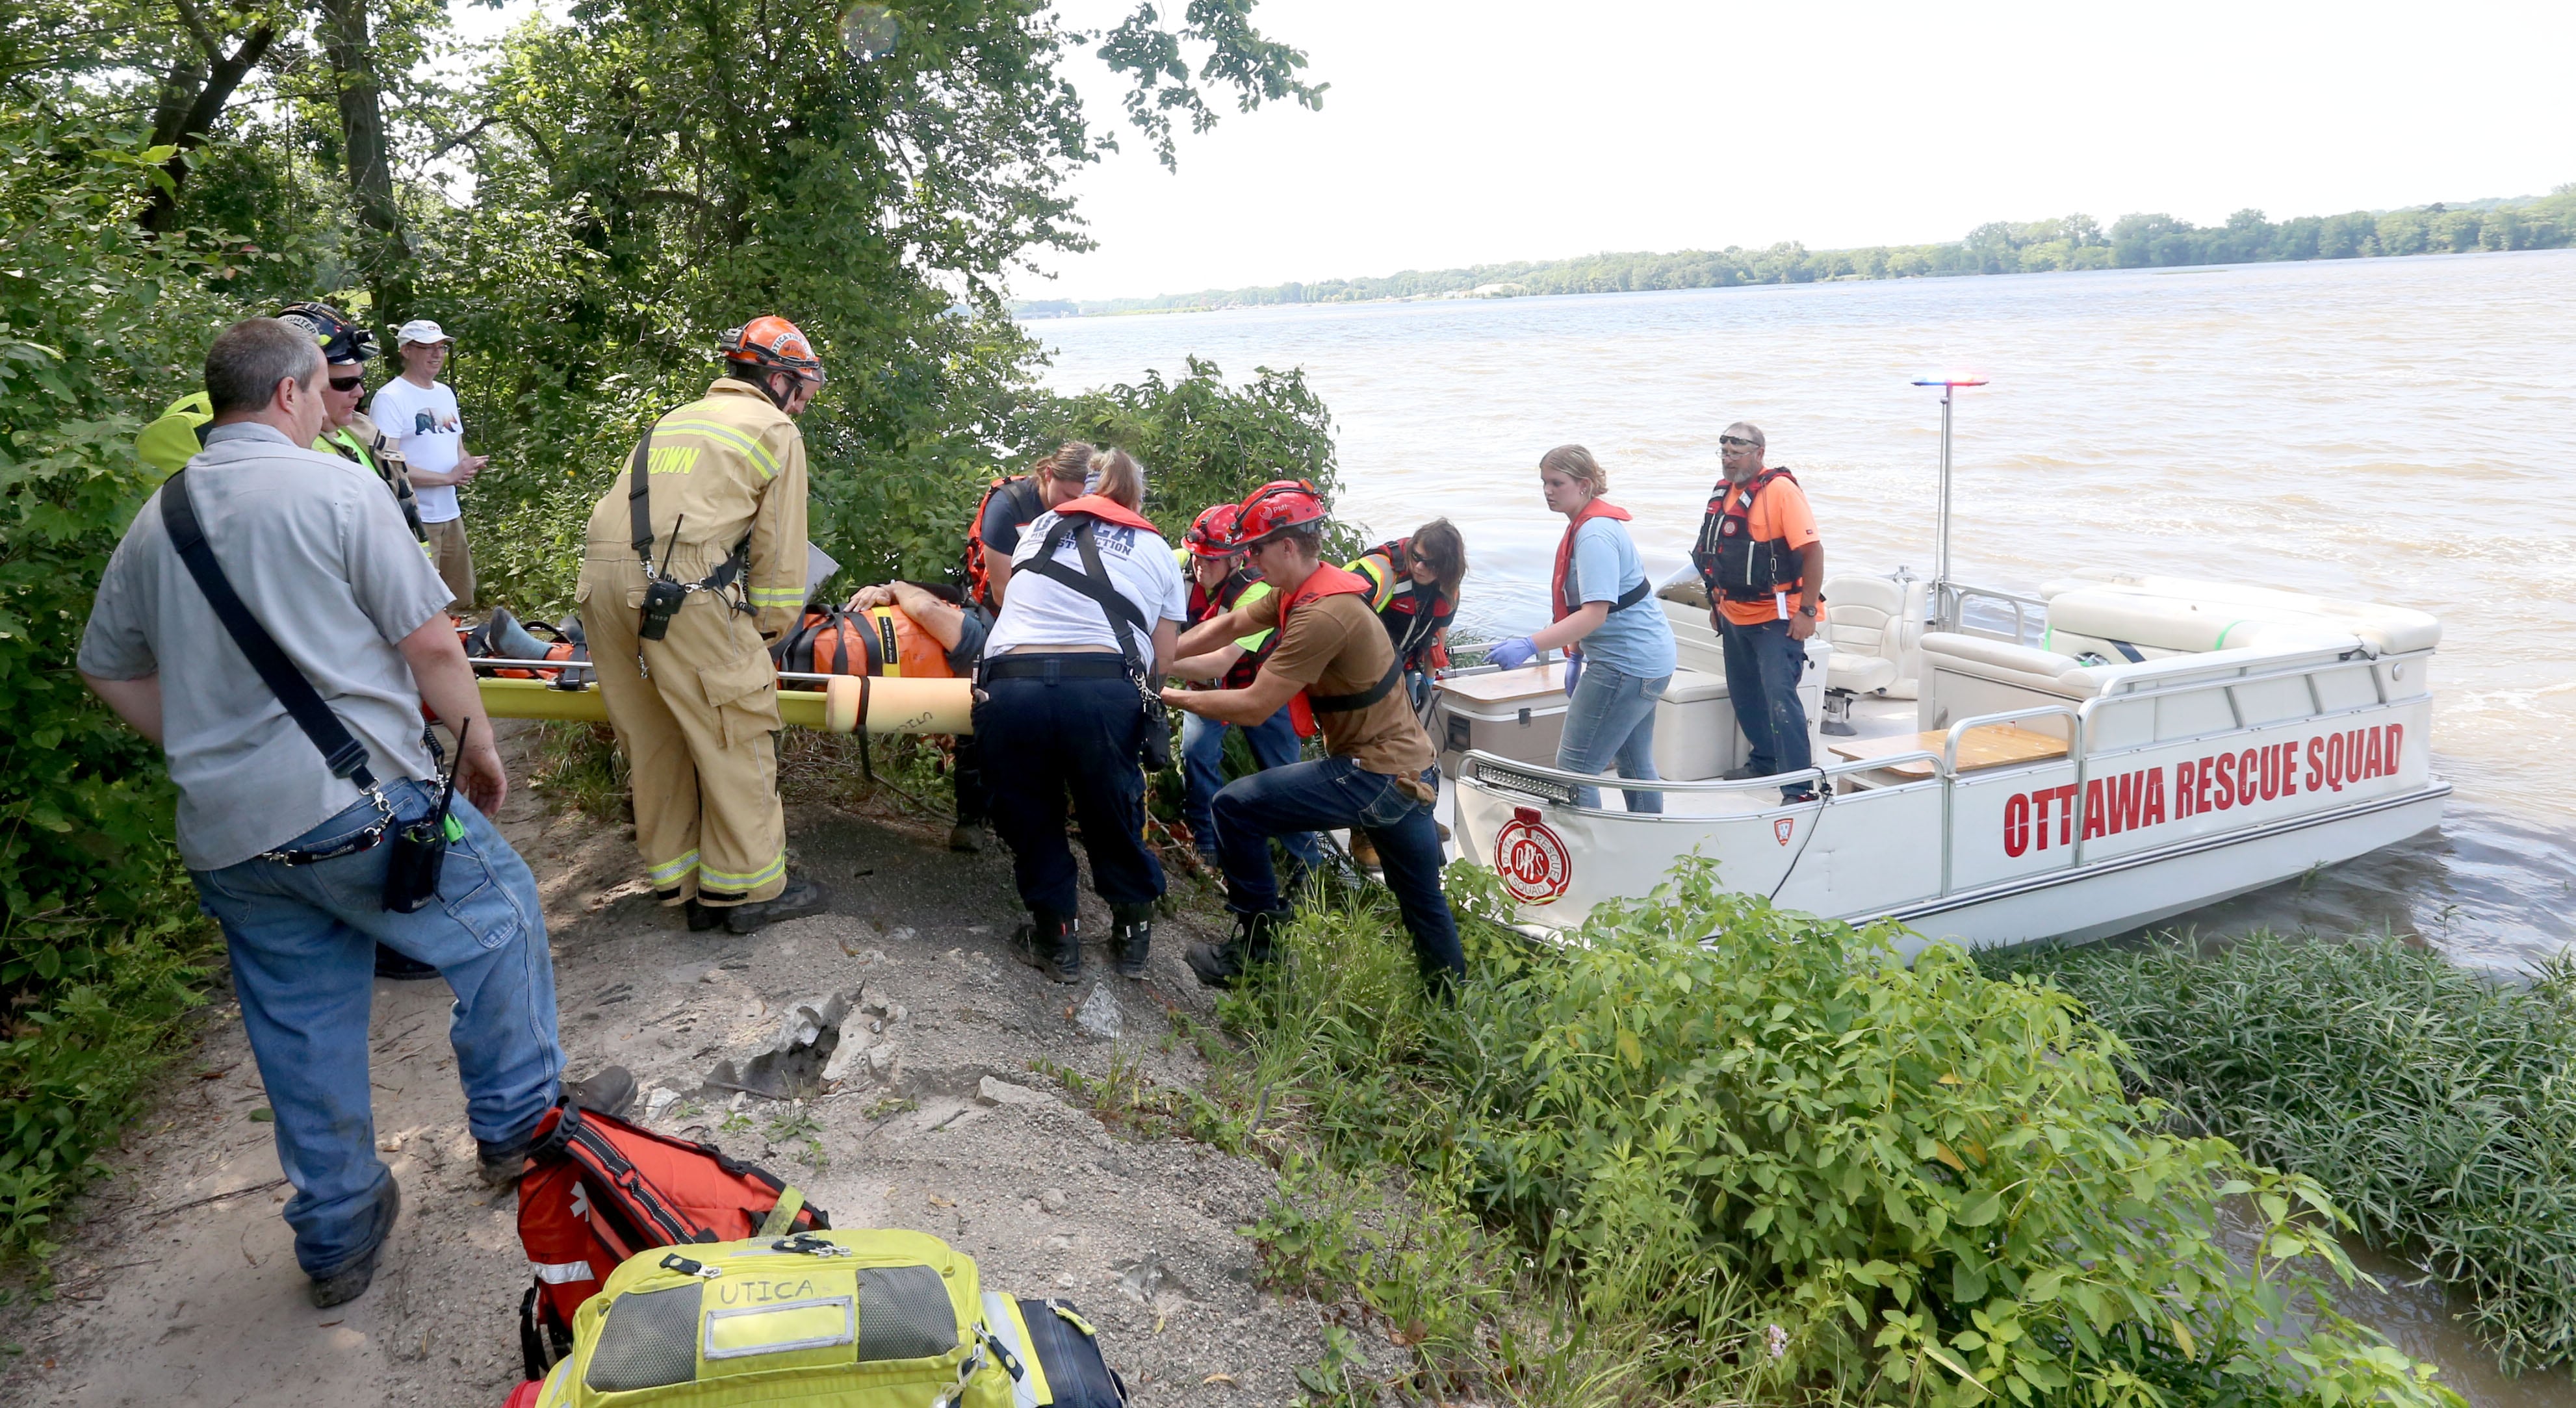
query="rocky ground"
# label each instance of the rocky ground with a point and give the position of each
(179, 1285)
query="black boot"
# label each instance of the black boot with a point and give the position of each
(1052, 944)
(703, 917)
(1254, 945)
(609, 1091)
(801, 898)
(1131, 938)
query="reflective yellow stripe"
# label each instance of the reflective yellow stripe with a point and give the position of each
(777, 596)
(761, 459)
(709, 875)
(671, 872)
(815, 1323)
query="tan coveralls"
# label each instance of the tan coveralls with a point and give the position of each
(697, 719)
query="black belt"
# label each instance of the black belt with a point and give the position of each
(1070, 666)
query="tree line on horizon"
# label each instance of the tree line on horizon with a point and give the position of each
(2137, 241)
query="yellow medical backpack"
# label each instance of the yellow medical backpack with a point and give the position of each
(862, 1318)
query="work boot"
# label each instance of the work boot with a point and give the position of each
(1739, 773)
(966, 837)
(1052, 944)
(610, 1091)
(350, 1281)
(1131, 938)
(801, 897)
(1254, 945)
(703, 917)
(401, 967)
(1364, 851)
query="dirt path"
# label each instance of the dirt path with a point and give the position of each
(180, 1286)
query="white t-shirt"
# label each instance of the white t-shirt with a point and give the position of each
(424, 426)
(1039, 610)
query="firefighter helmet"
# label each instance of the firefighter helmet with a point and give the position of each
(772, 344)
(1276, 507)
(1213, 534)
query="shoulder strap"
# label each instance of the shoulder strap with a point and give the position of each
(342, 753)
(1092, 581)
(639, 497)
(1347, 703)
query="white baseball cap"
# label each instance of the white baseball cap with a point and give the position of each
(422, 330)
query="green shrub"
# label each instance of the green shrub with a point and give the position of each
(2438, 1105)
(1930, 1182)
(99, 327)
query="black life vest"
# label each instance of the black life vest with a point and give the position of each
(1413, 614)
(1732, 564)
(1026, 504)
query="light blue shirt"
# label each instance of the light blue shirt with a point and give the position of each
(1637, 641)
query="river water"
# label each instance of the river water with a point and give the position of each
(2400, 430)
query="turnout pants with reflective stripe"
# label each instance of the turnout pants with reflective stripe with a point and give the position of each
(698, 723)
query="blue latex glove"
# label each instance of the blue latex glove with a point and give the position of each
(1512, 654)
(1573, 669)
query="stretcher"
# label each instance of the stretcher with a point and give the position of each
(832, 703)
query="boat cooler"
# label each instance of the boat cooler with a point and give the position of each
(1520, 715)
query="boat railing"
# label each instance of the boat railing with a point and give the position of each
(1950, 611)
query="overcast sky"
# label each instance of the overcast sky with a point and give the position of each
(1460, 133)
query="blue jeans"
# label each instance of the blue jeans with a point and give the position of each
(1044, 739)
(1274, 745)
(1611, 718)
(1319, 796)
(1763, 666)
(303, 943)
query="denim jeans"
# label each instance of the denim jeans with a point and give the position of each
(1319, 796)
(1763, 666)
(1611, 719)
(1043, 739)
(1274, 745)
(303, 944)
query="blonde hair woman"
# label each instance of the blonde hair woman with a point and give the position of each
(1062, 715)
(1619, 648)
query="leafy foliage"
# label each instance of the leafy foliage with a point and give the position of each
(95, 925)
(1930, 1181)
(2438, 1104)
(1203, 441)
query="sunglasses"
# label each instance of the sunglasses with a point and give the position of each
(348, 384)
(1737, 442)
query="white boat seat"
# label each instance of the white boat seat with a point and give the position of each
(1866, 624)
(2098, 622)
(2185, 607)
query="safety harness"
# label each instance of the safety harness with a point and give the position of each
(1327, 580)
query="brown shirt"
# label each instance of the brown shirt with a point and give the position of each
(1334, 645)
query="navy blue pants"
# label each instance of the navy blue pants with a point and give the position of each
(1763, 666)
(1323, 795)
(1045, 741)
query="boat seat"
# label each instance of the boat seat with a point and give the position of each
(2132, 601)
(1868, 623)
(2095, 623)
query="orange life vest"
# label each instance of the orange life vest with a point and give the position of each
(979, 581)
(1328, 580)
(1732, 563)
(1556, 598)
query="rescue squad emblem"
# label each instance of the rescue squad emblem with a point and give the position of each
(1532, 860)
(1783, 829)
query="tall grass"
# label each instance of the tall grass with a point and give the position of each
(1780, 1164)
(2438, 1106)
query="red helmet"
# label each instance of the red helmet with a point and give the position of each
(772, 344)
(1275, 507)
(1213, 534)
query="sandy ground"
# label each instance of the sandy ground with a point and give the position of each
(180, 1287)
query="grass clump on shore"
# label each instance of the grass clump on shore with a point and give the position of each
(2438, 1105)
(1784, 1166)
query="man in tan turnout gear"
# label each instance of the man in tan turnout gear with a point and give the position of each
(723, 518)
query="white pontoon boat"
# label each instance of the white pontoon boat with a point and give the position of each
(1992, 767)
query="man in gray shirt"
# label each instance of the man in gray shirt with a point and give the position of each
(289, 858)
